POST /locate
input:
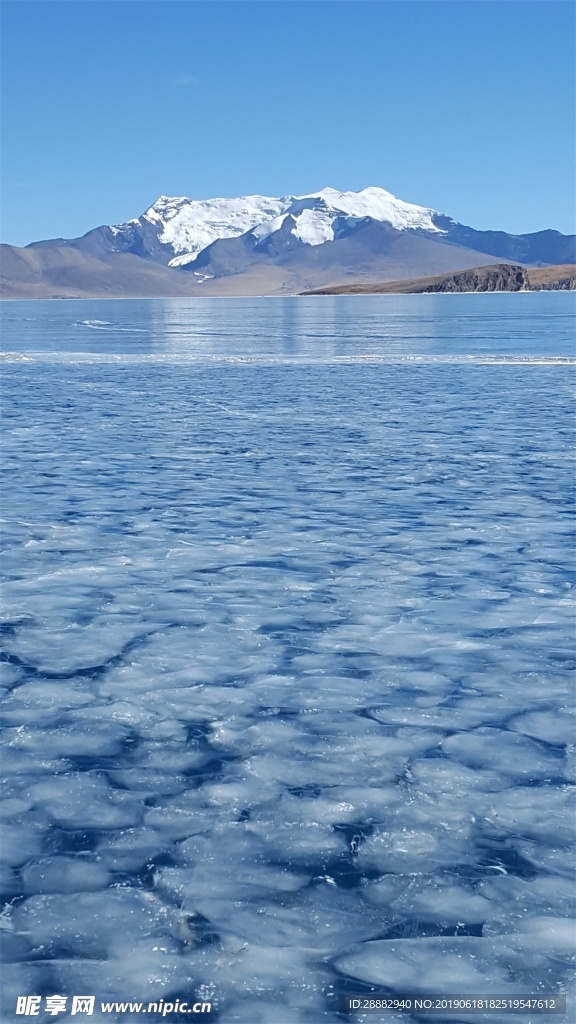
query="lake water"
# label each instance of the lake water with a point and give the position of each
(288, 647)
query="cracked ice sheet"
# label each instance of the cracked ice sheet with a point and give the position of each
(287, 673)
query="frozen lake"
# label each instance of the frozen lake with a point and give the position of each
(288, 652)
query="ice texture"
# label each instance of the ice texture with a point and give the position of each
(287, 651)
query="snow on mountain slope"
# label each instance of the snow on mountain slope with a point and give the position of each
(378, 204)
(189, 225)
(313, 227)
(186, 226)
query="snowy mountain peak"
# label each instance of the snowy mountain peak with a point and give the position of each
(380, 205)
(315, 215)
(181, 227)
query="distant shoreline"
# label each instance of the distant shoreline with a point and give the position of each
(290, 295)
(492, 279)
(498, 277)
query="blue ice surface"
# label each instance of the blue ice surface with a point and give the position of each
(288, 651)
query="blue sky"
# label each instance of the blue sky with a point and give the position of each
(466, 106)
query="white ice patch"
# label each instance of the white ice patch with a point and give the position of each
(80, 801)
(423, 899)
(65, 875)
(516, 902)
(464, 964)
(98, 925)
(506, 752)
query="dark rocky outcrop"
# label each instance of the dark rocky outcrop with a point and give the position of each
(553, 279)
(498, 277)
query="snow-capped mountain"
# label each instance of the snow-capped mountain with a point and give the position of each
(186, 226)
(262, 245)
(180, 228)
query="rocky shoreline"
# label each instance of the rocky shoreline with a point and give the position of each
(499, 277)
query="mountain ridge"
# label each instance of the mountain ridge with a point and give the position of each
(174, 230)
(266, 245)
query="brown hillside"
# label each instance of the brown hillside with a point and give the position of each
(496, 277)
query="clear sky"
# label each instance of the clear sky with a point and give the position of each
(466, 106)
